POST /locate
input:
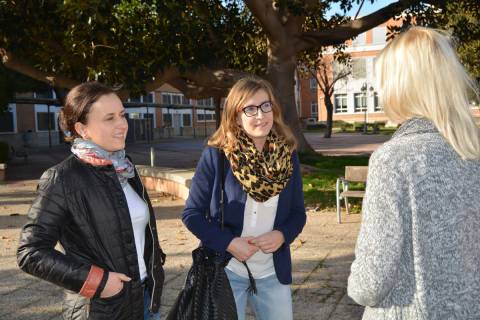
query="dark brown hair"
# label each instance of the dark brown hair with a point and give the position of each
(77, 106)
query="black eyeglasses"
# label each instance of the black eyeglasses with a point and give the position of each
(252, 111)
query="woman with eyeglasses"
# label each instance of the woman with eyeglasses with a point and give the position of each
(264, 208)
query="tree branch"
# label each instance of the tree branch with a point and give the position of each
(55, 80)
(269, 20)
(345, 31)
(202, 82)
(221, 78)
(193, 91)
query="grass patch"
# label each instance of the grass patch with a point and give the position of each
(319, 184)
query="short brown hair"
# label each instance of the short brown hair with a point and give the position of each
(226, 135)
(77, 106)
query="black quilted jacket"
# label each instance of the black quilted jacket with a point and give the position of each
(84, 209)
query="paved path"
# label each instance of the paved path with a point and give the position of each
(321, 259)
(346, 143)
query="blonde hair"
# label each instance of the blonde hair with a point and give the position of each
(420, 75)
(226, 135)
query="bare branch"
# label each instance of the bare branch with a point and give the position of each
(359, 8)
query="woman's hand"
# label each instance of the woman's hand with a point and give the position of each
(241, 249)
(269, 242)
(114, 284)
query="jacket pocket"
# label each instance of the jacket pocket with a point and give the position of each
(115, 296)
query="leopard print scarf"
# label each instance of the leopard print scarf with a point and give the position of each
(262, 174)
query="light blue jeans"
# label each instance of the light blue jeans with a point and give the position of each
(273, 300)
(147, 315)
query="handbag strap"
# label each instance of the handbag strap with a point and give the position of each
(221, 166)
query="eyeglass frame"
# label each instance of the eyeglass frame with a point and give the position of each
(258, 107)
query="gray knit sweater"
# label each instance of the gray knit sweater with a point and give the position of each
(418, 251)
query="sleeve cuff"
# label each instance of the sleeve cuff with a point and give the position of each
(92, 282)
(102, 284)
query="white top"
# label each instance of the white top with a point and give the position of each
(140, 216)
(258, 219)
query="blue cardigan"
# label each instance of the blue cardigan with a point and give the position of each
(205, 195)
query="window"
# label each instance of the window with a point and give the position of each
(379, 35)
(135, 99)
(360, 102)
(7, 121)
(359, 68)
(341, 103)
(187, 120)
(360, 40)
(44, 94)
(314, 109)
(376, 105)
(208, 116)
(313, 84)
(176, 99)
(205, 102)
(42, 121)
(148, 98)
(166, 98)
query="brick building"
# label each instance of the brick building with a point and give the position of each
(355, 98)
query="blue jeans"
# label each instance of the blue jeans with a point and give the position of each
(273, 300)
(147, 315)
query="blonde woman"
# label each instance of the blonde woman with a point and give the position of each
(264, 209)
(418, 251)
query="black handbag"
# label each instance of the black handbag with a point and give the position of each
(207, 294)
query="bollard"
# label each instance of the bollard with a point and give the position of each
(152, 157)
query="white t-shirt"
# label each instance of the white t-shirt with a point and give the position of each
(140, 216)
(258, 219)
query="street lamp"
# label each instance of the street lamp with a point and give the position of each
(365, 106)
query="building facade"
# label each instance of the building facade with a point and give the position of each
(355, 97)
(166, 113)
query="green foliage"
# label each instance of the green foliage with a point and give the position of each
(3, 152)
(459, 17)
(128, 42)
(319, 185)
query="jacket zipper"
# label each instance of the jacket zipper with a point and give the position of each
(153, 240)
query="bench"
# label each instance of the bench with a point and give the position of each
(352, 174)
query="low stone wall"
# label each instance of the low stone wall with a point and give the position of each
(172, 181)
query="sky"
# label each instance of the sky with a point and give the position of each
(366, 8)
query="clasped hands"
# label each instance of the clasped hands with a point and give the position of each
(242, 248)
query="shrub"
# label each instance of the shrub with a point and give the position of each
(316, 126)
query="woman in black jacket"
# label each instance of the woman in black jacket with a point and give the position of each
(94, 204)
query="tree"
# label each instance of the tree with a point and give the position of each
(461, 18)
(199, 47)
(327, 70)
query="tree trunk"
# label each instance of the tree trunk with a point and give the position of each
(329, 107)
(281, 74)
